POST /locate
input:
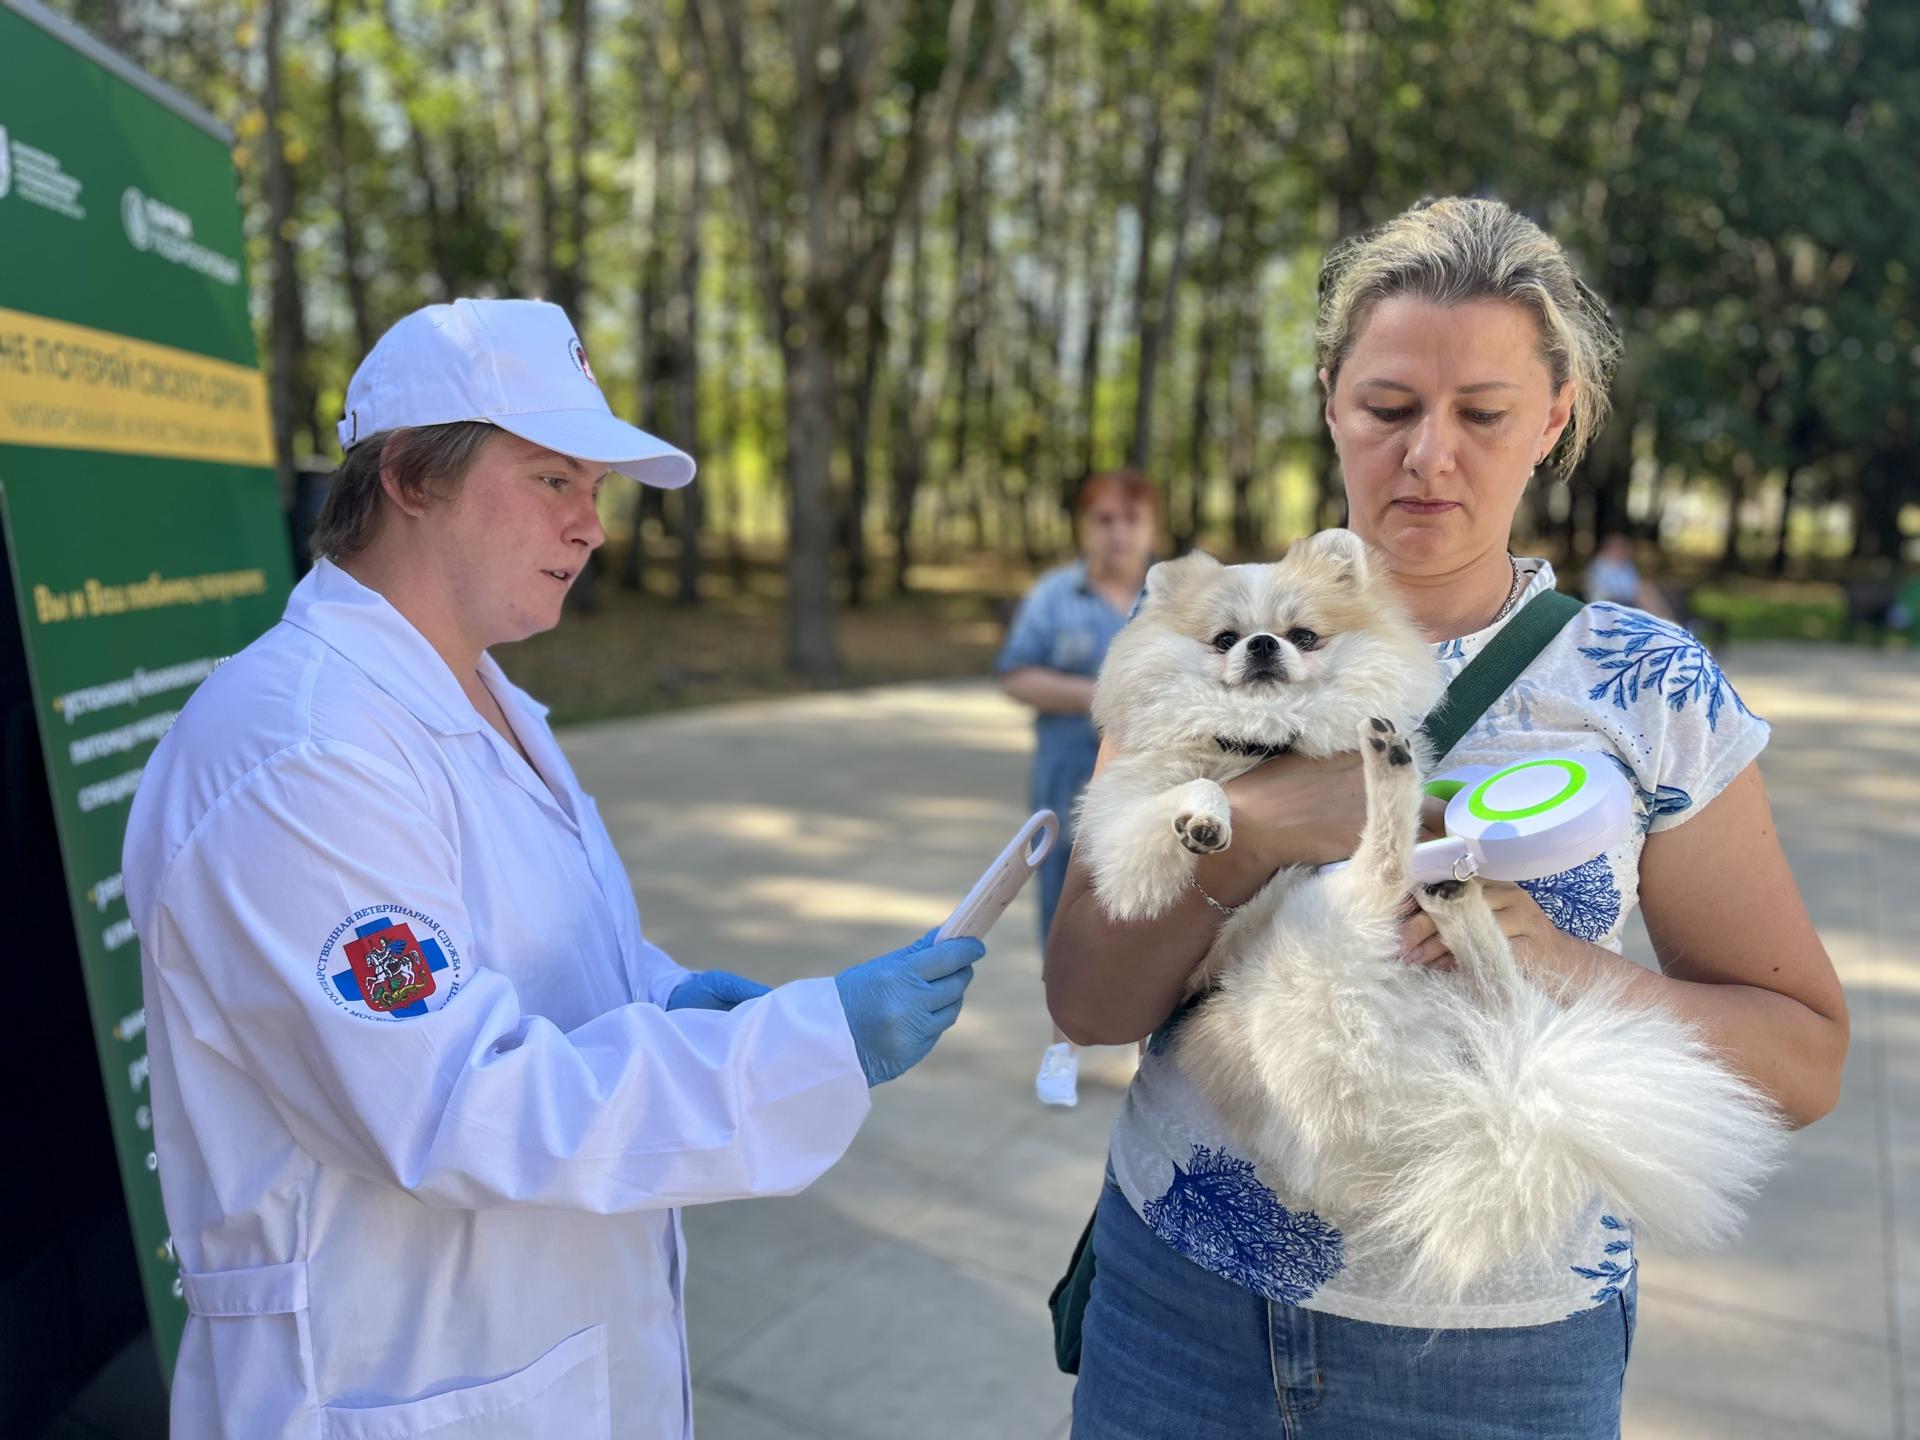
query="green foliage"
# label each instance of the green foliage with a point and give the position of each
(1741, 179)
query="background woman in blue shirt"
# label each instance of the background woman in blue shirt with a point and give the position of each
(1052, 653)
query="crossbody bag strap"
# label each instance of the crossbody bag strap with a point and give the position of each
(1489, 673)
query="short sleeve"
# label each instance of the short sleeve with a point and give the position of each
(1030, 638)
(1694, 733)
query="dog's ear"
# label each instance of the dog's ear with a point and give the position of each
(1174, 577)
(1345, 552)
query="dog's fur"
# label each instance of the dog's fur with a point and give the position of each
(1463, 1116)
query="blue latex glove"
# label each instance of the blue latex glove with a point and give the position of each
(713, 990)
(898, 1005)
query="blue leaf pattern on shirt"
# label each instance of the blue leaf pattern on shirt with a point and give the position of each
(1663, 800)
(1450, 650)
(1218, 1214)
(1613, 1274)
(1583, 901)
(1659, 658)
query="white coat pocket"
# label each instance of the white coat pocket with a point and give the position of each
(563, 1393)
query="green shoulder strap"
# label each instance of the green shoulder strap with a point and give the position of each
(1489, 673)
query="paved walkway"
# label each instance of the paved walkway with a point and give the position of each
(904, 1295)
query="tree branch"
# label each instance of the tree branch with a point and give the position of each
(957, 94)
(716, 29)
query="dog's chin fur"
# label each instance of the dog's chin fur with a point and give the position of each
(1457, 1118)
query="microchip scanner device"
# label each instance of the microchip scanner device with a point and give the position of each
(1524, 820)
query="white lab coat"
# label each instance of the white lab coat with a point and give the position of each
(431, 1190)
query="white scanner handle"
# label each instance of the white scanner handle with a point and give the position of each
(1448, 858)
(987, 901)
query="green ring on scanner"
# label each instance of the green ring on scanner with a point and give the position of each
(1480, 810)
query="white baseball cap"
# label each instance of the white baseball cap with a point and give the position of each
(517, 364)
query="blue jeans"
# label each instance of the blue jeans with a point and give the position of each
(1062, 765)
(1172, 1350)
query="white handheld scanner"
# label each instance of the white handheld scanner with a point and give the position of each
(994, 891)
(1526, 820)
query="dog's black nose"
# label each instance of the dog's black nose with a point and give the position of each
(1263, 647)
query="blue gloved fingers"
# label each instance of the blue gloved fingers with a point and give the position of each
(897, 1005)
(735, 989)
(947, 956)
(948, 989)
(713, 990)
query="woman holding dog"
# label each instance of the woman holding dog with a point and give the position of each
(1459, 352)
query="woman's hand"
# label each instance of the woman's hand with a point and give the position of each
(1538, 944)
(1293, 810)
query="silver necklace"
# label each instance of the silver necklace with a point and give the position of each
(1513, 593)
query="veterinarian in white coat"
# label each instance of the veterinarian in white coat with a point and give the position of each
(425, 1099)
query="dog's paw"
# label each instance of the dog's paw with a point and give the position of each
(1385, 740)
(1203, 834)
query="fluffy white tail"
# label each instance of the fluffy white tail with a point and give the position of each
(1543, 1105)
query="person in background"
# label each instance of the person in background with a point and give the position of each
(1613, 576)
(1053, 651)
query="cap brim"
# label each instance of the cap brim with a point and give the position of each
(595, 435)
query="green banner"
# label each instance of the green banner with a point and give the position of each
(136, 492)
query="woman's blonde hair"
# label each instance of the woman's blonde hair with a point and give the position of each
(1454, 250)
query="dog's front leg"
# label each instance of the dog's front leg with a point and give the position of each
(1141, 843)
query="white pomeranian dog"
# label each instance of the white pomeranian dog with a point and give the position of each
(1464, 1116)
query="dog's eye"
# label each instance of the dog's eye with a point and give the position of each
(1304, 639)
(1226, 640)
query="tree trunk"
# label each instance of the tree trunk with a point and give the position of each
(1146, 320)
(401, 75)
(517, 143)
(344, 193)
(911, 418)
(732, 426)
(963, 336)
(861, 390)
(1881, 489)
(570, 263)
(1249, 403)
(1781, 531)
(649, 337)
(288, 388)
(1100, 279)
(1737, 474)
(540, 153)
(1154, 338)
(811, 644)
(686, 377)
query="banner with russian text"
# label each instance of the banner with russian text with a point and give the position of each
(139, 506)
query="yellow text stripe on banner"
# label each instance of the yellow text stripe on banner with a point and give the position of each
(69, 387)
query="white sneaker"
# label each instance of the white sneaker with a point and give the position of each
(1058, 1082)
